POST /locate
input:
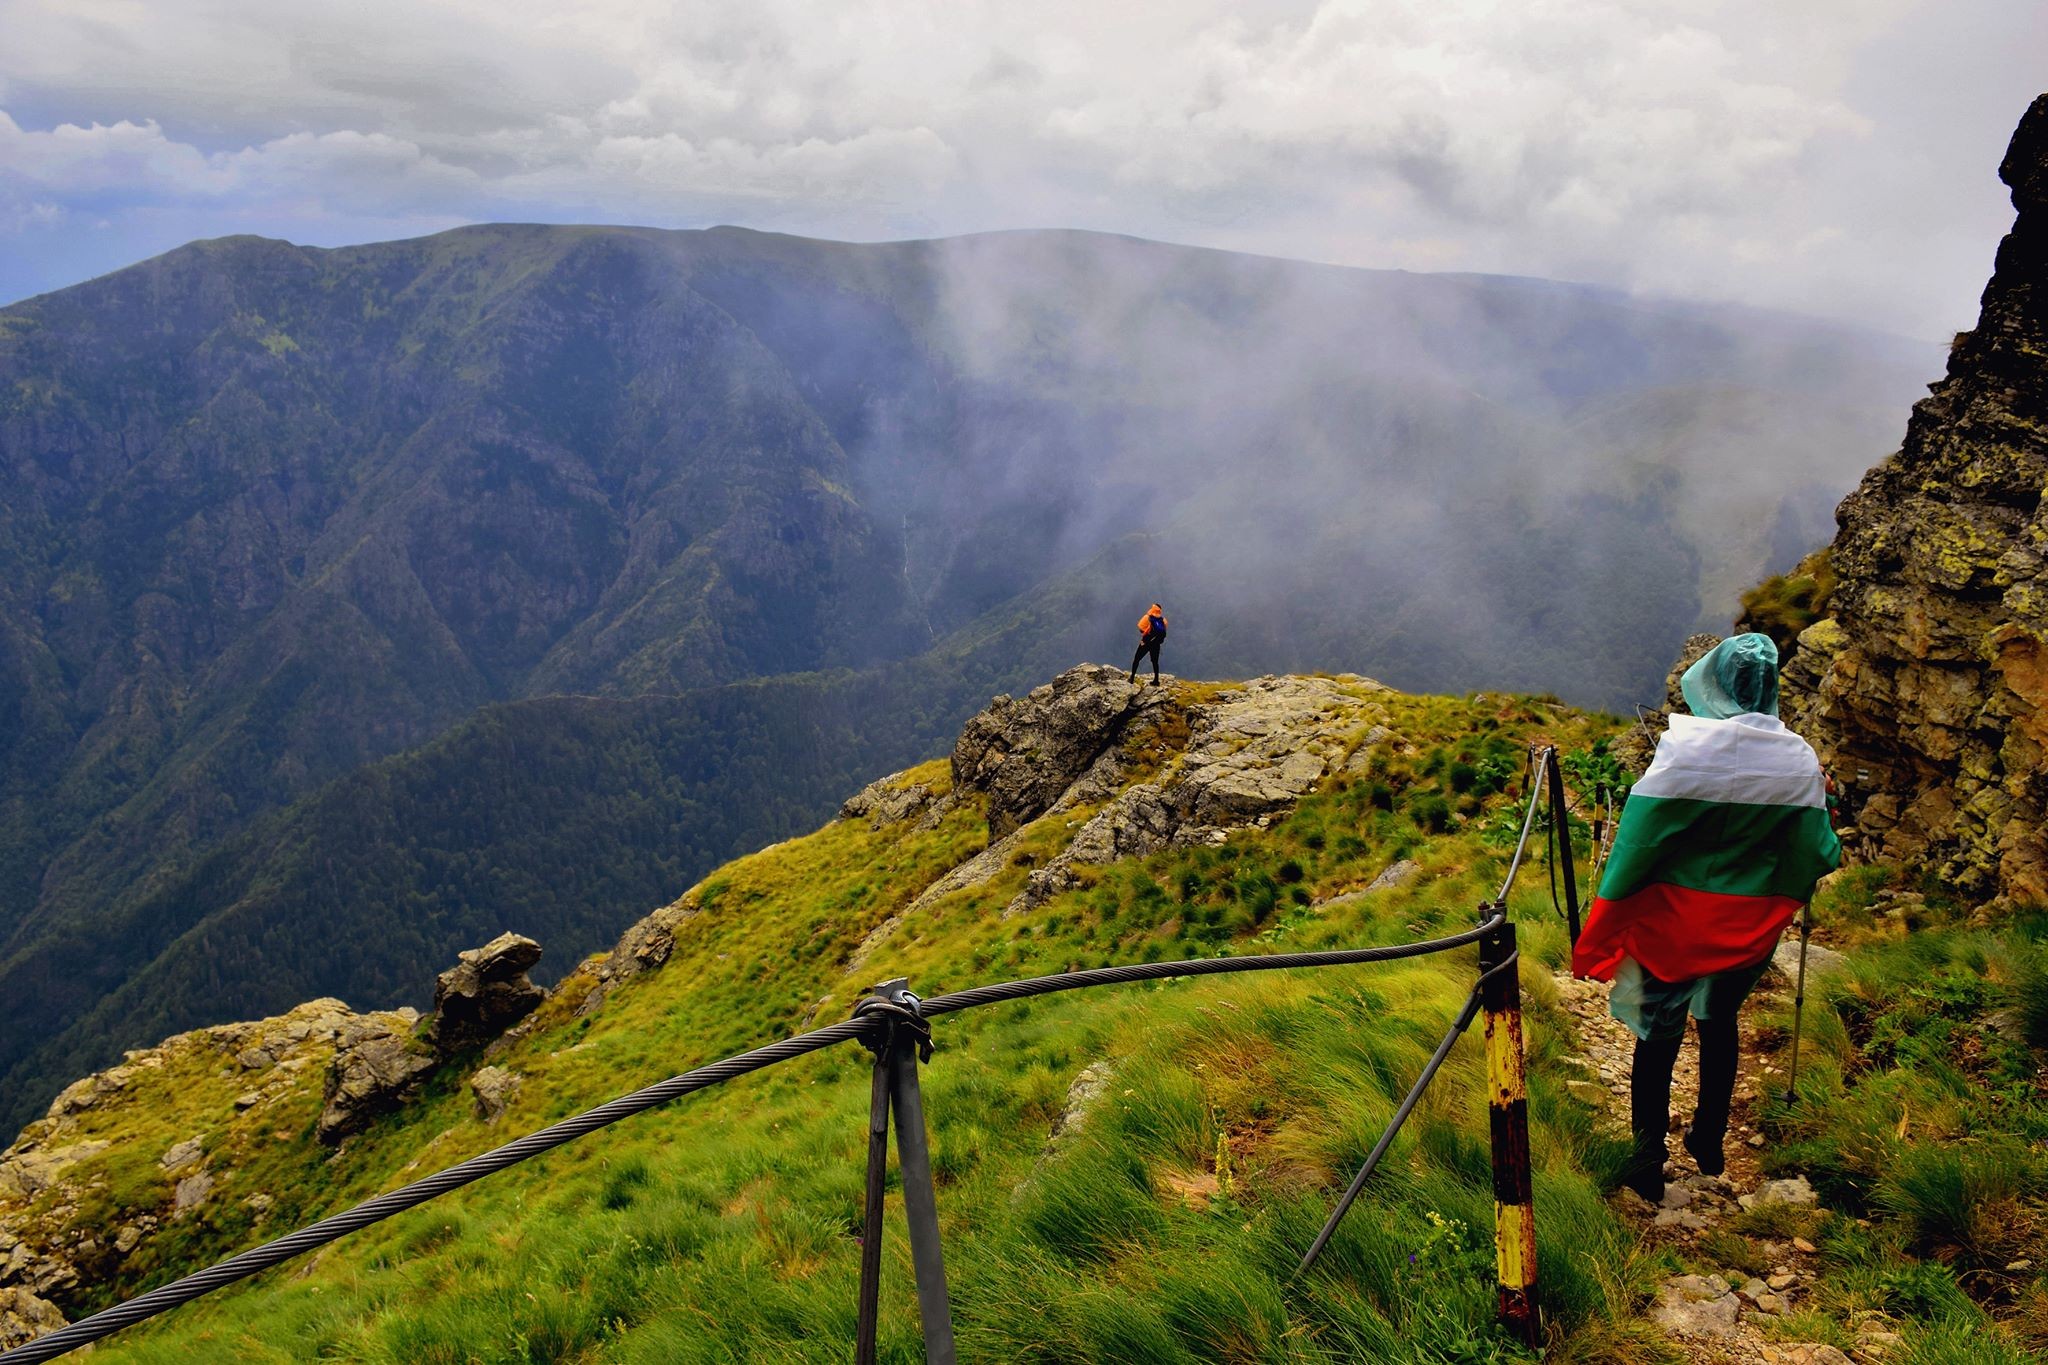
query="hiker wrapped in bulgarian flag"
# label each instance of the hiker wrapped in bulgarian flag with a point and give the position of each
(1722, 840)
(1719, 846)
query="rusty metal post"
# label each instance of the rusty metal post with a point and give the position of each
(1514, 1214)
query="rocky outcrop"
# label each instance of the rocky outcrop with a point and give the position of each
(485, 993)
(494, 1087)
(1250, 753)
(1926, 689)
(55, 1241)
(380, 1062)
(24, 1317)
(893, 799)
(1178, 764)
(50, 1245)
(1022, 754)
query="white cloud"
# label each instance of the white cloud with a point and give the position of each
(1733, 148)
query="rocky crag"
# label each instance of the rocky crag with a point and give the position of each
(64, 1225)
(1926, 687)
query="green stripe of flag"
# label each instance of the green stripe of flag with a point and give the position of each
(1719, 846)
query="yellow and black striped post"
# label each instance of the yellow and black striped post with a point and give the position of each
(1514, 1214)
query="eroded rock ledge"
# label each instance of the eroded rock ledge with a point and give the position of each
(365, 1065)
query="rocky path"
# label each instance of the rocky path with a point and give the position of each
(1724, 1320)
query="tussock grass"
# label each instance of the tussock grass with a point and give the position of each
(1164, 1224)
(1921, 1111)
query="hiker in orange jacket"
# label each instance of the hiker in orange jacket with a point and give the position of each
(1151, 635)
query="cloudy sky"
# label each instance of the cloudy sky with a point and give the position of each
(1837, 157)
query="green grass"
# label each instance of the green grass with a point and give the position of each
(1165, 1228)
(1921, 1114)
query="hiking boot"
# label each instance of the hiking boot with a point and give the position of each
(1706, 1152)
(1645, 1171)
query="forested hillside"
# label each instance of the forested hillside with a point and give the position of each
(269, 513)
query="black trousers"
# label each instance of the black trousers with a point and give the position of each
(1651, 1085)
(1146, 647)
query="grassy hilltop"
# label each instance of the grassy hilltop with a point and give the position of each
(1125, 1174)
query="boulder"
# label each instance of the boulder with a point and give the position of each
(494, 1087)
(1794, 1191)
(1023, 754)
(181, 1155)
(378, 1065)
(485, 993)
(191, 1192)
(24, 1317)
(1820, 961)
(1697, 1306)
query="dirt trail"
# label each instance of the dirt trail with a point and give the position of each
(1722, 1320)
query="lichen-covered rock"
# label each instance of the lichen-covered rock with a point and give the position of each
(1926, 691)
(191, 1192)
(1697, 1306)
(485, 993)
(1022, 754)
(1249, 755)
(28, 1168)
(378, 1065)
(494, 1087)
(1087, 1089)
(181, 1155)
(890, 800)
(24, 1317)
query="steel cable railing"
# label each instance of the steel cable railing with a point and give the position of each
(257, 1259)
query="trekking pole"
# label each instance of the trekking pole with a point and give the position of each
(1799, 999)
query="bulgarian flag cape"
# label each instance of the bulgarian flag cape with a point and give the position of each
(1719, 845)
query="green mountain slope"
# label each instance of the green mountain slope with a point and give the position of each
(268, 514)
(1180, 1196)
(1125, 1173)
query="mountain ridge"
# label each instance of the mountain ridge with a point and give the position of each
(268, 513)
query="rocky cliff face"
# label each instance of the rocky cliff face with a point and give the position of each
(1926, 690)
(81, 1200)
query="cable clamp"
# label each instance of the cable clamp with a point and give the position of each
(901, 1012)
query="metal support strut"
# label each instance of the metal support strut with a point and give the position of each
(1561, 829)
(899, 1047)
(1514, 1220)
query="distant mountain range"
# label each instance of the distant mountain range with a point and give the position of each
(356, 604)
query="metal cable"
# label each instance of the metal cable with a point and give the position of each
(247, 1263)
(260, 1258)
(1200, 966)
(1550, 857)
(1528, 823)
(1466, 1015)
